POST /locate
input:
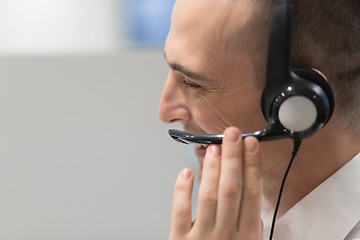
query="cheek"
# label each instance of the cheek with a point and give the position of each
(214, 114)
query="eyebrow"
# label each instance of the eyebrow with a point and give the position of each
(188, 73)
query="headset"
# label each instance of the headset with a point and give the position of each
(296, 102)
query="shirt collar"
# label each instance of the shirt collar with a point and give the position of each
(329, 212)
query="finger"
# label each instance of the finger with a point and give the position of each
(181, 210)
(250, 220)
(230, 184)
(208, 191)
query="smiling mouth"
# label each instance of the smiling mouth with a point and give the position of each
(200, 151)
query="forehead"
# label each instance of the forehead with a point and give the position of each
(187, 12)
(203, 31)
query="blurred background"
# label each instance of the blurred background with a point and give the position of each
(82, 152)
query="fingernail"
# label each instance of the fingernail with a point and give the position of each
(215, 150)
(232, 135)
(186, 173)
(251, 145)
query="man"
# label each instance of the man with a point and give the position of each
(217, 51)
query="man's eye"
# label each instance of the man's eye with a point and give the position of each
(189, 84)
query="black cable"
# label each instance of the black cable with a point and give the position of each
(297, 143)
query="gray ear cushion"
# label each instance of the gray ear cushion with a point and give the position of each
(297, 113)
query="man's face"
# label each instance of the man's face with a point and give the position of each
(212, 82)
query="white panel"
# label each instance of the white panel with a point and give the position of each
(58, 26)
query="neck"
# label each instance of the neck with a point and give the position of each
(319, 157)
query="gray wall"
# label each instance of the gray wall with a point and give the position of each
(82, 152)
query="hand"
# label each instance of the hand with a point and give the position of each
(229, 200)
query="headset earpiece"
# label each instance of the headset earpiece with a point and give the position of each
(307, 103)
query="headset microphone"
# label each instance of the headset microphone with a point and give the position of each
(296, 102)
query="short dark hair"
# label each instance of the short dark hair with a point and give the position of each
(326, 36)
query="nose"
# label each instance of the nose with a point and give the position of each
(173, 104)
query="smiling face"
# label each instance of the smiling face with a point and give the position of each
(213, 80)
